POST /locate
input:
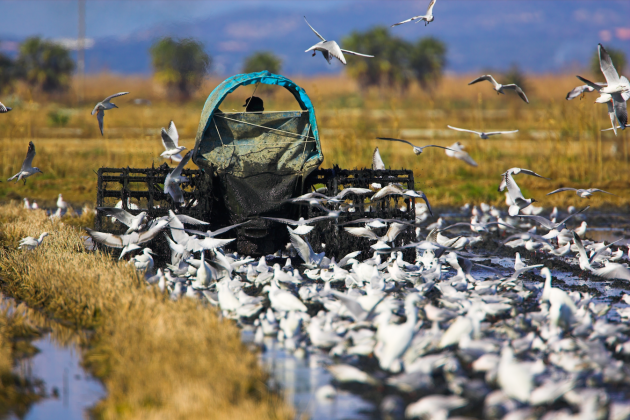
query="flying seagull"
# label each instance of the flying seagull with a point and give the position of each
(456, 150)
(617, 109)
(133, 222)
(482, 134)
(302, 225)
(104, 105)
(26, 170)
(580, 91)
(546, 223)
(499, 87)
(172, 181)
(128, 242)
(416, 149)
(330, 49)
(170, 139)
(428, 18)
(377, 161)
(4, 109)
(580, 192)
(516, 171)
(516, 195)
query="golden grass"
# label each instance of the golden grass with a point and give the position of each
(557, 138)
(159, 359)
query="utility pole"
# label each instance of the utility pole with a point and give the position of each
(81, 52)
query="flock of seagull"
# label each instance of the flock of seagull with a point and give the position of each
(459, 331)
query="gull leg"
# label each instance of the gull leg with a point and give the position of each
(313, 54)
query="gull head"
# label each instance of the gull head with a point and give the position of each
(38, 170)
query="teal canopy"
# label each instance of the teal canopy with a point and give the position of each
(244, 144)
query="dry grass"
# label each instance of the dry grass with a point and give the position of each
(557, 138)
(158, 359)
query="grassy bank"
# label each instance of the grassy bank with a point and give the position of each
(157, 358)
(557, 138)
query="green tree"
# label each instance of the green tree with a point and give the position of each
(180, 64)
(262, 60)
(390, 65)
(44, 65)
(618, 58)
(516, 76)
(428, 59)
(7, 71)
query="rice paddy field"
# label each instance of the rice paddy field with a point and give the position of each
(557, 138)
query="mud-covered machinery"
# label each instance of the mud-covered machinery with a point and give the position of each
(249, 164)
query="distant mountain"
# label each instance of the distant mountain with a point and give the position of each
(538, 36)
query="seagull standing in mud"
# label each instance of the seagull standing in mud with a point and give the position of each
(331, 49)
(170, 140)
(499, 87)
(104, 105)
(27, 168)
(427, 18)
(482, 134)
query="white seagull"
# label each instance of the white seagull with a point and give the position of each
(499, 87)
(482, 134)
(516, 171)
(515, 195)
(133, 222)
(456, 150)
(377, 161)
(128, 242)
(170, 139)
(104, 105)
(27, 168)
(580, 91)
(302, 225)
(582, 193)
(172, 181)
(29, 243)
(330, 49)
(428, 18)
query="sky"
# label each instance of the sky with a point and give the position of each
(537, 35)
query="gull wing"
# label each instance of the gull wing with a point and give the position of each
(167, 140)
(191, 220)
(561, 190)
(115, 95)
(607, 67)
(281, 220)
(332, 48)
(392, 139)
(595, 86)
(580, 246)
(601, 191)
(487, 77)
(421, 17)
(99, 116)
(394, 230)
(540, 220)
(361, 232)
(613, 271)
(173, 189)
(225, 229)
(613, 116)
(355, 310)
(30, 154)
(390, 189)
(377, 161)
(355, 53)
(121, 215)
(464, 130)
(621, 111)
(4, 108)
(172, 133)
(426, 200)
(357, 191)
(313, 29)
(302, 246)
(492, 133)
(177, 229)
(573, 214)
(178, 171)
(147, 235)
(108, 239)
(532, 173)
(461, 155)
(577, 91)
(176, 158)
(599, 251)
(518, 90)
(430, 8)
(212, 243)
(512, 187)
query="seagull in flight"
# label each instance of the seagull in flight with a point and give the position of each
(482, 134)
(170, 139)
(582, 193)
(4, 109)
(546, 223)
(27, 168)
(302, 225)
(515, 195)
(172, 181)
(127, 242)
(499, 87)
(104, 105)
(416, 149)
(133, 222)
(330, 49)
(428, 18)
(516, 171)
(456, 150)
(580, 91)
